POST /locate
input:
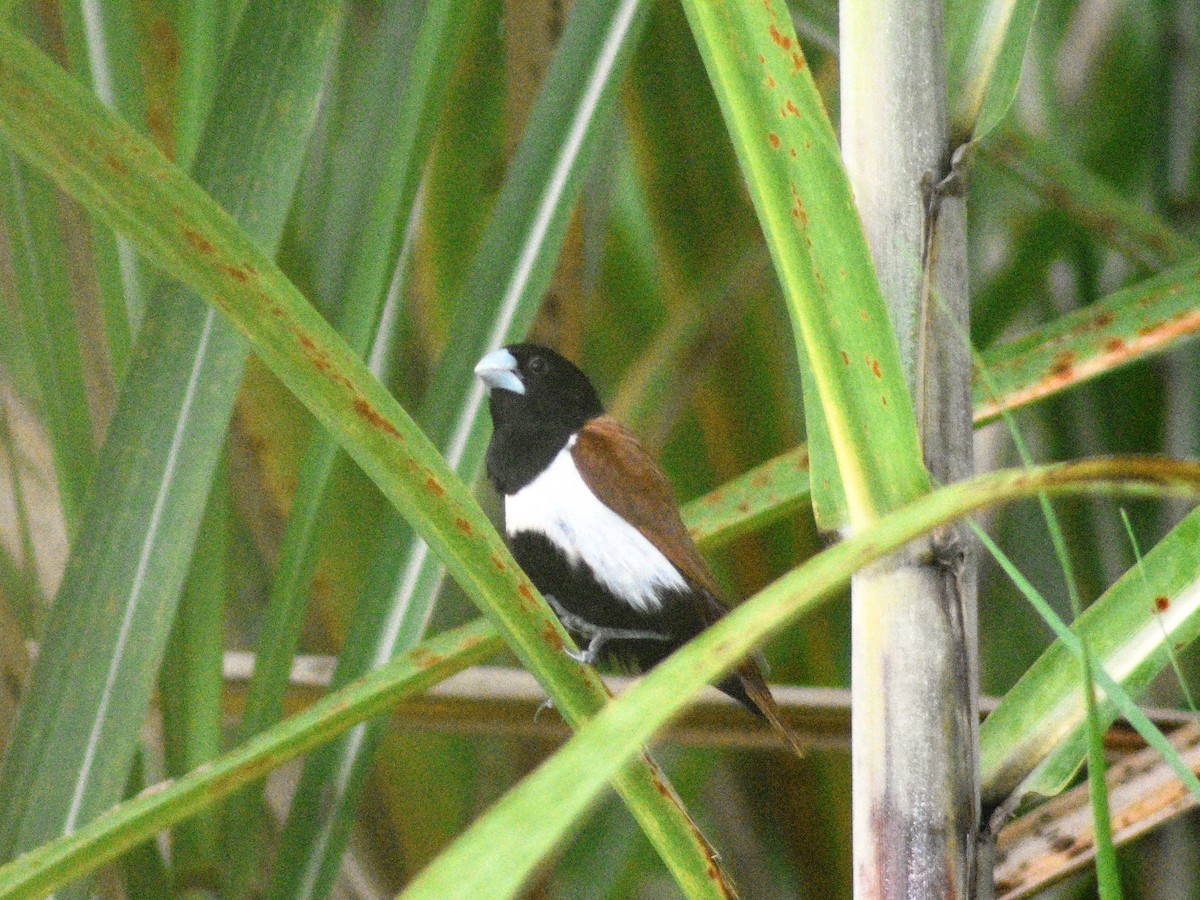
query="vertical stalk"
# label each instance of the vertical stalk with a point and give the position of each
(914, 671)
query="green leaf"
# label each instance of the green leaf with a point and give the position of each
(116, 831)
(1108, 874)
(191, 683)
(790, 158)
(48, 333)
(1146, 318)
(407, 106)
(82, 713)
(503, 288)
(103, 53)
(987, 41)
(178, 226)
(1037, 737)
(494, 856)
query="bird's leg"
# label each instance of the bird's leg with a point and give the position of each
(597, 635)
(548, 703)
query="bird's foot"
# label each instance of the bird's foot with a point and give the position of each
(598, 637)
(547, 704)
(570, 621)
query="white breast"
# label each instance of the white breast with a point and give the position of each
(559, 504)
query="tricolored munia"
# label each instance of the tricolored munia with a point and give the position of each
(592, 520)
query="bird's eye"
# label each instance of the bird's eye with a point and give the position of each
(537, 365)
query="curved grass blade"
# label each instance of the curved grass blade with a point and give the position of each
(503, 289)
(174, 223)
(1036, 738)
(90, 689)
(1046, 168)
(987, 41)
(1149, 317)
(406, 129)
(48, 331)
(793, 167)
(103, 53)
(116, 831)
(494, 856)
(1131, 325)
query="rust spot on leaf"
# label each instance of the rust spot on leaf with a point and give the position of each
(499, 563)
(845, 357)
(771, 83)
(116, 164)
(874, 364)
(1103, 320)
(784, 42)
(1064, 360)
(464, 526)
(1114, 345)
(798, 211)
(798, 62)
(883, 397)
(371, 414)
(235, 273)
(774, 141)
(199, 241)
(525, 591)
(1162, 604)
(435, 487)
(553, 638)
(793, 152)
(423, 659)
(167, 43)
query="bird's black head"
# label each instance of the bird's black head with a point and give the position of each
(538, 400)
(534, 385)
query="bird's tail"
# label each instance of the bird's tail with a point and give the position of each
(755, 686)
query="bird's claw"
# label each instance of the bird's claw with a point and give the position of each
(597, 635)
(548, 703)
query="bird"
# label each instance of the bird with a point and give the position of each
(591, 518)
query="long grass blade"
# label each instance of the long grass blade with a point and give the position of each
(181, 228)
(790, 157)
(66, 859)
(406, 124)
(91, 686)
(495, 855)
(508, 276)
(1036, 738)
(103, 53)
(191, 685)
(48, 329)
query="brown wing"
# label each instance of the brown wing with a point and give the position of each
(611, 460)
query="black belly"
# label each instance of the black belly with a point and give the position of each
(577, 590)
